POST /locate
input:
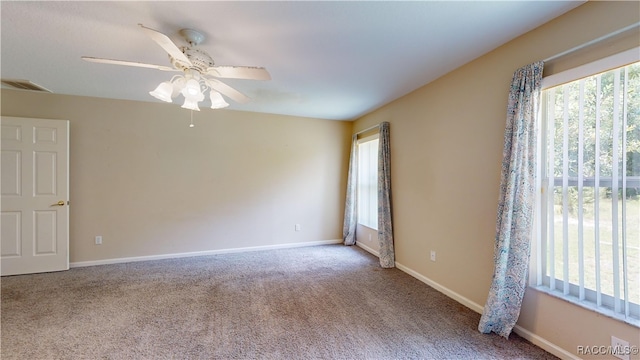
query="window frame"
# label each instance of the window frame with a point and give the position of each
(366, 139)
(538, 278)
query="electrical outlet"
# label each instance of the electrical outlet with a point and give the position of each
(99, 240)
(433, 255)
(369, 237)
(620, 348)
(298, 227)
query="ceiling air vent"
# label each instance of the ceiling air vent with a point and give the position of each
(23, 85)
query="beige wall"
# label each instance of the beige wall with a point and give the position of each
(446, 143)
(367, 238)
(150, 185)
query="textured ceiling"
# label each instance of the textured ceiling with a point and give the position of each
(330, 60)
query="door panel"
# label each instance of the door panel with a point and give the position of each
(44, 173)
(45, 238)
(35, 193)
(11, 233)
(11, 173)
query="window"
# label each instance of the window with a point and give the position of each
(368, 182)
(589, 219)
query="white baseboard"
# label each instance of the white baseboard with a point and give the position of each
(450, 293)
(367, 249)
(526, 334)
(201, 253)
(544, 343)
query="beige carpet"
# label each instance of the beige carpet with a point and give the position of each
(324, 302)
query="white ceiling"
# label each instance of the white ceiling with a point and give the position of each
(330, 60)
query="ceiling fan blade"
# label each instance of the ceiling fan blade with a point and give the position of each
(228, 91)
(239, 72)
(128, 63)
(166, 43)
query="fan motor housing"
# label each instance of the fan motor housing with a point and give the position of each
(200, 60)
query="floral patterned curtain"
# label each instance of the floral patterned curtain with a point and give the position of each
(516, 204)
(385, 226)
(350, 213)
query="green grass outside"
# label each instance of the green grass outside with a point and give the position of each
(632, 232)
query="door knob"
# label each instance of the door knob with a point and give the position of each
(59, 203)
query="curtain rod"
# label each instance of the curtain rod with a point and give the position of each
(367, 129)
(592, 42)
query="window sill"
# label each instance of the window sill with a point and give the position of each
(589, 306)
(368, 227)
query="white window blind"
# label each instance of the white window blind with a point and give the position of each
(368, 182)
(590, 197)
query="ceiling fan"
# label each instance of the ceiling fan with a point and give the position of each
(199, 72)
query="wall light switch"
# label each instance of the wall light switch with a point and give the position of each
(433, 255)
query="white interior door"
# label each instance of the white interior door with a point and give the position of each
(35, 194)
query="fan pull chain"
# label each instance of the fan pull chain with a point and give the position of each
(191, 125)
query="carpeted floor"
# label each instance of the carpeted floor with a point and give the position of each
(323, 302)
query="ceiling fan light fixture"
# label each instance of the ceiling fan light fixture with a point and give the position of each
(191, 101)
(163, 92)
(195, 65)
(178, 84)
(192, 88)
(191, 104)
(217, 101)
